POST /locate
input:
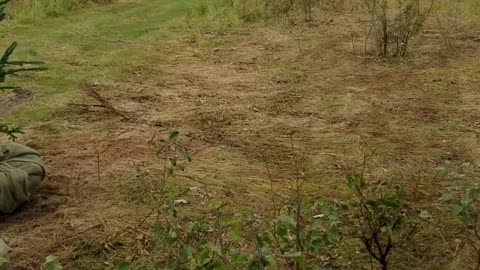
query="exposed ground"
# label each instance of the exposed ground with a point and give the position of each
(235, 95)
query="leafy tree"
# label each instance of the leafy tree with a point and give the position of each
(12, 68)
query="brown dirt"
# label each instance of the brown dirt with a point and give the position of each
(10, 100)
(235, 106)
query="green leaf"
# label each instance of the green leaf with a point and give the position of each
(286, 220)
(297, 257)
(281, 231)
(52, 263)
(425, 214)
(217, 249)
(235, 234)
(3, 261)
(355, 180)
(174, 135)
(301, 261)
(456, 210)
(457, 186)
(391, 200)
(447, 197)
(264, 237)
(180, 168)
(123, 266)
(318, 203)
(185, 253)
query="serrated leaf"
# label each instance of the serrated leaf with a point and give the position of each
(174, 135)
(456, 210)
(447, 197)
(52, 263)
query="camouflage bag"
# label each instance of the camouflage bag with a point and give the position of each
(21, 171)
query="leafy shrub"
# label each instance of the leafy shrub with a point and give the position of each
(392, 30)
(377, 212)
(465, 206)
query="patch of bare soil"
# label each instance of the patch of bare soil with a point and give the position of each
(10, 100)
(237, 107)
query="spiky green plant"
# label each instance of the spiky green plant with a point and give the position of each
(12, 68)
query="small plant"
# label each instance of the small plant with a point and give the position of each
(10, 131)
(393, 30)
(52, 263)
(378, 214)
(465, 202)
(12, 68)
(297, 233)
(202, 245)
(316, 236)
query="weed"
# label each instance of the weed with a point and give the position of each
(393, 32)
(465, 207)
(379, 215)
(52, 263)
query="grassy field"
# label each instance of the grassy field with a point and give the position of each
(96, 45)
(244, 96)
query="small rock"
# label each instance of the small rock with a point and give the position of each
(181, 202)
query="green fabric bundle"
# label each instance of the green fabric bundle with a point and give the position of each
(21, 171)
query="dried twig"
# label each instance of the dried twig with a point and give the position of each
(104, 103)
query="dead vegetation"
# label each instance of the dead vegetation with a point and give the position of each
(92, 91)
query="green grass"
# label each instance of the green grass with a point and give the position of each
(468, 10)
(100, 45)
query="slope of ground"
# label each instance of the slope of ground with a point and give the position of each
(236, 96)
